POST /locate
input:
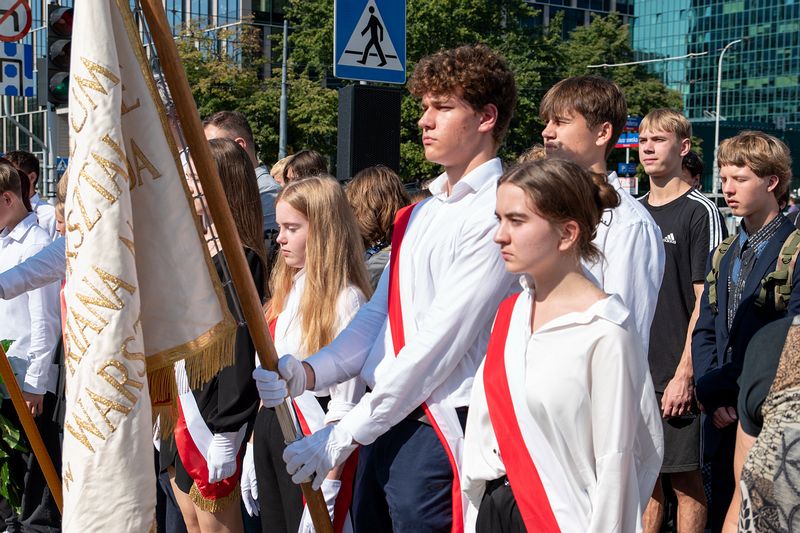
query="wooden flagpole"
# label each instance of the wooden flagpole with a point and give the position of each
(30, 429)
(226, 229)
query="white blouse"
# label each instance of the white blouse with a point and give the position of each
(583, 383)
(288, 340)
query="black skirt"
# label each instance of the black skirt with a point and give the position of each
(498, 512)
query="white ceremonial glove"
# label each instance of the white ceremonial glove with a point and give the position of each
(271, 388)
(317, 454)
(292, 371)
(221, 457)
(330, 489)
(248, 483)
(274, 388)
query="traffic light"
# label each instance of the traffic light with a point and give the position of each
(59, 44)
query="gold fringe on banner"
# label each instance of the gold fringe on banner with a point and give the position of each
(214, 506)
(207, 356)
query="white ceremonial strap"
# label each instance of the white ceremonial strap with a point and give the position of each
(195, 424)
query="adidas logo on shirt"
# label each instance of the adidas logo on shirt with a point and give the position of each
(670, 239)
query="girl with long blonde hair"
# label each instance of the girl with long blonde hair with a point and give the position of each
(318, 283)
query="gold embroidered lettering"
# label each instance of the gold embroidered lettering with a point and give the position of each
(134, 356)
(87, 221)
(120, 382)
(83, 425)
(120, 153)
(105, 406)
(94, 84)
(125, 108)
(67, 475)
(141, 163)
(102, 191)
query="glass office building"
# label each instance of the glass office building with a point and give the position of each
(760, 87)
(579, 12)
(760, 75)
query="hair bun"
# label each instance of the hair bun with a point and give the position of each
(608, 198)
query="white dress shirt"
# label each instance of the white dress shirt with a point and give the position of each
(289, 340)
(452, 277)
(633, 263)
(32, 320)
(583, 381)
(47, 266)
(46, 214)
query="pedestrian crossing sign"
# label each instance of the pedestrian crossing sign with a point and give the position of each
(370, 40)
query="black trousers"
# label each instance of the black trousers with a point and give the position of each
(722, 481)
(498, 512)
(39, 512)
(280, 499)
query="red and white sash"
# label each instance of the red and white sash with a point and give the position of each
(539, 483)
(311, 418)
(443, 418)
(192, 439)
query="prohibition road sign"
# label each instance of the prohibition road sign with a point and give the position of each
(15, 20)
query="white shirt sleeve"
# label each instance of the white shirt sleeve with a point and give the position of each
(617, 370)
(45, 321)
(345, 356)
(47, 266)
(634, 269)
(345, 396)
(463, 306)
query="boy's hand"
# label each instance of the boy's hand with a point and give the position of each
(35, 402)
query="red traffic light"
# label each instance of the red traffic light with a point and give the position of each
(61, 21)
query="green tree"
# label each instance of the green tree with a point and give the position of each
(607, 41)
(223, 69)
(504, 25)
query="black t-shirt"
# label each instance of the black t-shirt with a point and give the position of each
(691, 227)
(760, 365)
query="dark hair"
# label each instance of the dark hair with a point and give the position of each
(16, 182)
(376, 194)
(24, 161)
(234, 122)
(304, 164)
(561, 191)
(475, 73)
(241, 190)
(597, 99)
(693, 163)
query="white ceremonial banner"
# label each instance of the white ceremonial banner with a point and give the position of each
(142, 292)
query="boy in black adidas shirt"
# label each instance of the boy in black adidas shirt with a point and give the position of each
(691, 227)
(755, 169)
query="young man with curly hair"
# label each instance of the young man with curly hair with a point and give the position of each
(419, 341)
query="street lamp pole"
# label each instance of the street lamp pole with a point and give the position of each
(715, 181)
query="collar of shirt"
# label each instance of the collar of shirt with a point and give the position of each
(610, 309)
(613, 180)
(473, 181)
(20, 230)
(35, 200)
(759, 239)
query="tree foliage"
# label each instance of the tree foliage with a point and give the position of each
(231, 77)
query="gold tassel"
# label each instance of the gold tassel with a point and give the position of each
(205, 365)
(213, 506)
(202, 364)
